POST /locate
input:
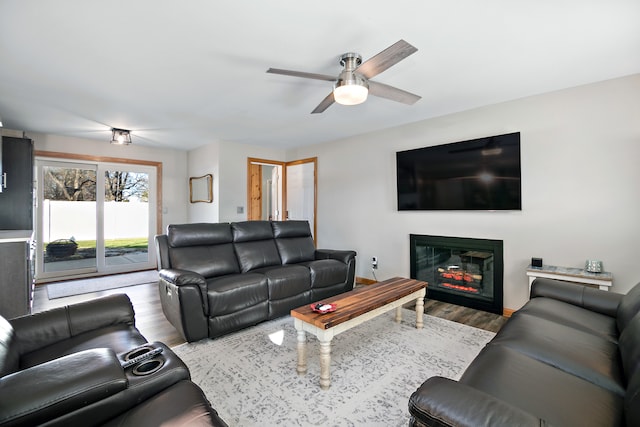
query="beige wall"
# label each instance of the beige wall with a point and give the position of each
(580, 176)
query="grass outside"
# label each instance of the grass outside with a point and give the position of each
(133, 243)
(139, 243)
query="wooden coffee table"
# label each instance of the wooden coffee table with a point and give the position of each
(353, 308)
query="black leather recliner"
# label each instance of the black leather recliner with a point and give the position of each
(569, 357)
(65, 367)
(222, 277)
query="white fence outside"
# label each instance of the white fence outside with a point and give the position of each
(63, 220)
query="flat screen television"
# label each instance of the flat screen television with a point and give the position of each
(479, 174)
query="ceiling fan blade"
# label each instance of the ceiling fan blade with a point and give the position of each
(393, 93)
(302, 74)
(326, 103)
(385, 59)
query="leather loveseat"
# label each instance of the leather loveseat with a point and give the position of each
(64, 367)
(217, 278)
(569, 357)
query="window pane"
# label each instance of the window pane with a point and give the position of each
(126, 217)
(69, 218)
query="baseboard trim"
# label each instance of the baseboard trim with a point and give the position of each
(507, 312)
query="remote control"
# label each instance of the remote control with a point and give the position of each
(144, 356)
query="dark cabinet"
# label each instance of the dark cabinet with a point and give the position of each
(16, 198)
(16, 282)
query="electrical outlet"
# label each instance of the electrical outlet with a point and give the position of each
(374, 262)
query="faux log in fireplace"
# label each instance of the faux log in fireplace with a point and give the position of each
(462, 271)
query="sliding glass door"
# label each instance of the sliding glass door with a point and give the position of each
(94, 219)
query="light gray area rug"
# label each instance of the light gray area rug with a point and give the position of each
(97, 284)
(250, 376)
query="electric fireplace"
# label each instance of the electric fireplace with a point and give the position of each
(462, 271)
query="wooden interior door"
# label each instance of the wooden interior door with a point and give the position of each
(290, 200)
(255, 192)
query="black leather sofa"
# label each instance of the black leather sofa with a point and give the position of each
(64, 367)
(569, 357)
(217, 278)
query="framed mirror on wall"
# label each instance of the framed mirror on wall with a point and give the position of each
(201, 189)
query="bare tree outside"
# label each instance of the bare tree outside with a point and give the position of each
(80, 185)
(69, 184)
(126, 186)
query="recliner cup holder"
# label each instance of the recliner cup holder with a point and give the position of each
(148, 366)
(138, 351)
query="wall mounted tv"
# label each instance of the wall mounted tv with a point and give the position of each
(479, 174)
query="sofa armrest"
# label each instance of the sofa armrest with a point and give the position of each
(603, 302)
(443, 402)
(182, 277)
(39, 330)
(55, 388)
(185, 278)
(340, 255)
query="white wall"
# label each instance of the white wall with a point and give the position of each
(175, 190)
(200, 162)
(228, 163)
(580, 179)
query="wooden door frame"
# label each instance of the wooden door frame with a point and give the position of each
(283, 165)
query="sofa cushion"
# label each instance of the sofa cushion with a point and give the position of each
(235, 292)
(247, 231)
(120, 338)
(208, 261)
(548, 393)
(294, 241)
(258, 254)
(629, 307)
(574, 316)
(583, 354)
(295, 249)
(286, 281)
(199, 234)
(630, 347)
(327, 272)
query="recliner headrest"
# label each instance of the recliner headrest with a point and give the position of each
(245, 231)
(291, 229)
(198, 234)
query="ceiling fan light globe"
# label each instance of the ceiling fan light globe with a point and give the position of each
(350, 94)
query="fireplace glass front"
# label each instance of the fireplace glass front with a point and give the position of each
(462, 271)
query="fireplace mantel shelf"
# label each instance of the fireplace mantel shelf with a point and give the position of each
(602, 280)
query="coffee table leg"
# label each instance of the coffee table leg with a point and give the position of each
(302, 351)
(419, 312)
(325, 364)
(399, 314)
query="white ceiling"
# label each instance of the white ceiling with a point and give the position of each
(181, 74)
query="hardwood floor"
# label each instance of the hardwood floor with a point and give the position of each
(155, 327)
(468, 316)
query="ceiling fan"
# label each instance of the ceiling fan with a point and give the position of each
(353, 84)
